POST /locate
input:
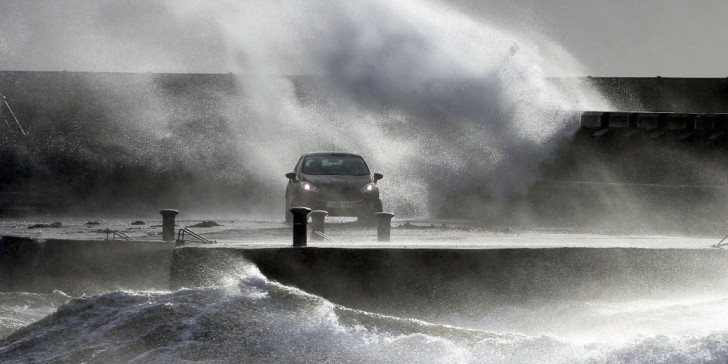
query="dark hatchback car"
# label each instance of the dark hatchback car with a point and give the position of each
(339, 183)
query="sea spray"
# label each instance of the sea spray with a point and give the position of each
(18, 309)
(438, 102)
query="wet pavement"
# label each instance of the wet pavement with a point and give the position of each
(343, 232)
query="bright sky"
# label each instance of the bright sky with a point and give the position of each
(671, 38)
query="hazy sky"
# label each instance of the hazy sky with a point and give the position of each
(624, 37)
(609, 37)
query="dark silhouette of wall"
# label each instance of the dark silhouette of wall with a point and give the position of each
(399, 281)
(422, 282)
(689, 95)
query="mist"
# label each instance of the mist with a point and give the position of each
(438, 102)
(433, 99)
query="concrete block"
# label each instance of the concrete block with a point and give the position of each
(705, 121)
(650, 120)
(621, 120)
(679, 121)
(593, 120)
(720, 122)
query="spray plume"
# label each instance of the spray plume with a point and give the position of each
(436, 101)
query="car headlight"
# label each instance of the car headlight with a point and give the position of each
(308, 187)
(369, 187)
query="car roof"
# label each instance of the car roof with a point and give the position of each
(332, 154)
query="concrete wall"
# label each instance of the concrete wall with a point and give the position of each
(419, 282)
(82, 266)
(48, 94)
(690, 95)
(433, 281)
(59, 95)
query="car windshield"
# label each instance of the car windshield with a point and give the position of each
(335, 165)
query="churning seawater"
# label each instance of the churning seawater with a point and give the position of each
(248, 318)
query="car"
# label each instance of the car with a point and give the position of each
(339, 183)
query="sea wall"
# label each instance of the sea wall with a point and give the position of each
(399, 281)
(60, 95)
(433, 281)
(666, 94)
(83, 266)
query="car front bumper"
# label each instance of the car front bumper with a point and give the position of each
(338, 207)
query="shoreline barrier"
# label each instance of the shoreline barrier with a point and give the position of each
(418, 282)
(435, 281)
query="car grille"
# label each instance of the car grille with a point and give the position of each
(339, 194)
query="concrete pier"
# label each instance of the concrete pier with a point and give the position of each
(431, 281)
(421, 281)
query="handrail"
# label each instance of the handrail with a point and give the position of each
(720, 243)
(324, 236)
(17, 122)
(116, 233)
(181, 236)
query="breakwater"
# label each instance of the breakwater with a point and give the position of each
(433, 281)
(396, 281)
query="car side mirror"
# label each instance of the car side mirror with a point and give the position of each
(378, 176)
(291, 176)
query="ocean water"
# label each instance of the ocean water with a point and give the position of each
(246, 318)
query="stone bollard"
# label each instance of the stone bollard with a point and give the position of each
(300, 219)
(384, 228)
(317, 224)
(168, 224)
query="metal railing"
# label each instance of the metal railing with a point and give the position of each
(115, 233)
(721, 243)
(324, 236)
(18, 126)
(185, 231)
